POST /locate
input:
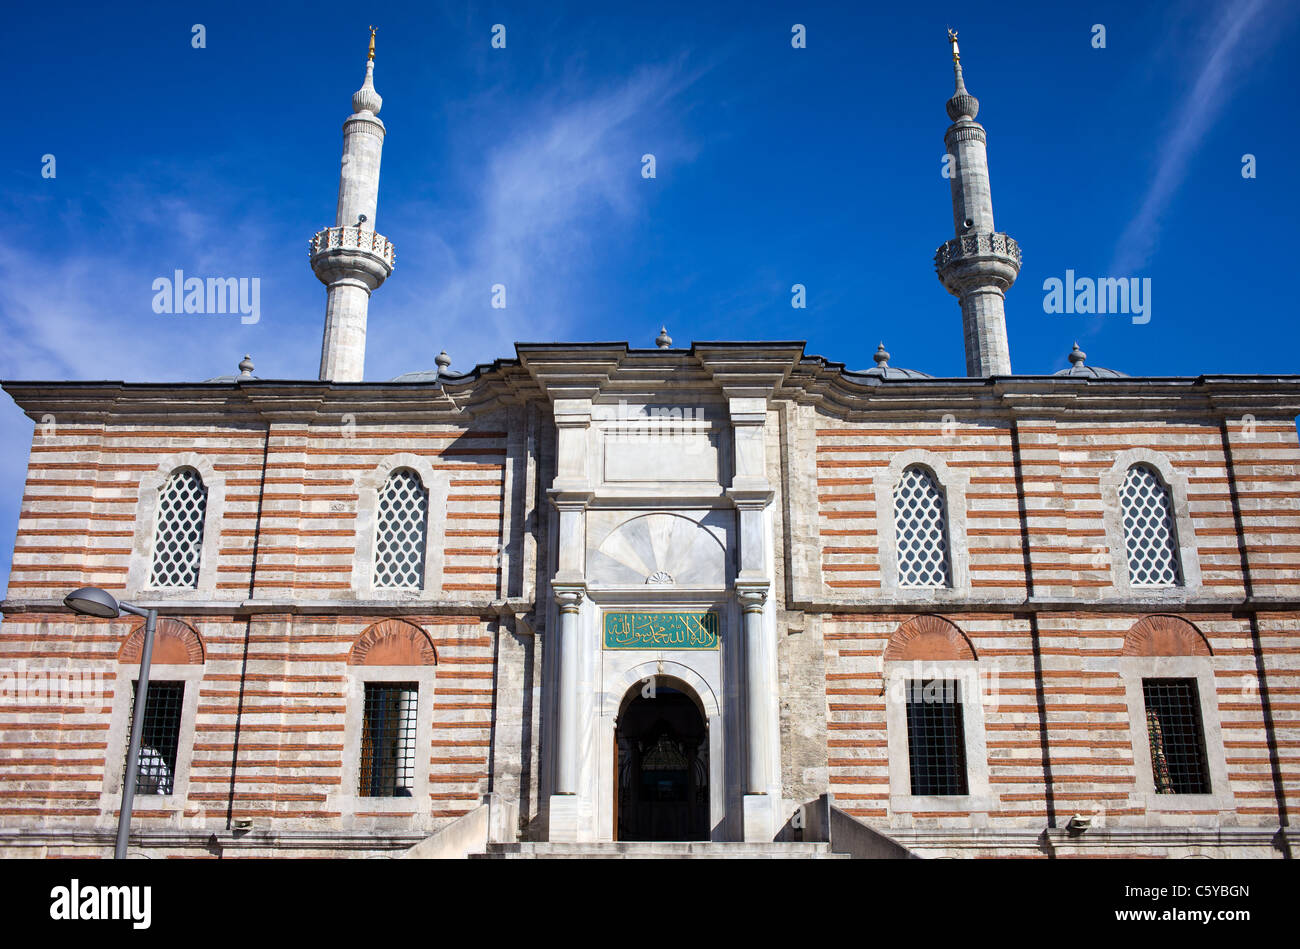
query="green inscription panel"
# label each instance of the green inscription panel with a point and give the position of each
(661, 630)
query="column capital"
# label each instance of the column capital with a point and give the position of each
(750, 494)
(752, 595)
(748, 409)
(569, 596)
(570, 497)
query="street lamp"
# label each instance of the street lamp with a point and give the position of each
(92, 601)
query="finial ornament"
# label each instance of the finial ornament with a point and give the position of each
(881, 357)
(962, 104)
(366, 99)
(246, 367)
(443, 362)
(663, 340)
(1077, 356)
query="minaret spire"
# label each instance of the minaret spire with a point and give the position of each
(979, 265)
(350, 258)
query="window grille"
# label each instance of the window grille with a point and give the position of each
(936, 737)
(1149, 530)
(920, 525)
(400, 532)
(388, 740)
(160, 737)
(178, 534)
(1178, 763)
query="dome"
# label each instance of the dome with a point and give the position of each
(442, 370)
(883, 370)
(1079, 368)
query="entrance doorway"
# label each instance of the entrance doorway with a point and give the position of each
(662, 766)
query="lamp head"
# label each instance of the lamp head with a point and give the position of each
(92, 601)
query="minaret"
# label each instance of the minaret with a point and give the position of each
(350, 258)
(979, 265)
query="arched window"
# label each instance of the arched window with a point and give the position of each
(1149, 529)
(921, 530)
(400, 531)
(178, 531)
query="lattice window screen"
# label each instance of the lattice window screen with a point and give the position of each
(1149, 530)
(921, 526)
(178, 534)
(400, 534)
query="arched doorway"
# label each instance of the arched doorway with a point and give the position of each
(661, 765)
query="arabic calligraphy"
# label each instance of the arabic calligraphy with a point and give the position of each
(661, 630)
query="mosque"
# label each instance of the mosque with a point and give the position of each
(686, 600)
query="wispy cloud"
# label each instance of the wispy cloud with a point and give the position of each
(1239, 23)
(549, 194)
(81, 307)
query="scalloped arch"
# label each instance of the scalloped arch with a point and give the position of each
(174, 643)
(393, 642)
(1163, 635)
(929, 638)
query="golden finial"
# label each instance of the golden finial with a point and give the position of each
(372, 43)
(952, 38)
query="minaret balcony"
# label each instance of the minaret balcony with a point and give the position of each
(977, 258)
(352, 252)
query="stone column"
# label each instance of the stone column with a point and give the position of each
(570, 493)
(567, 734)
(751, 493)
(757, 692)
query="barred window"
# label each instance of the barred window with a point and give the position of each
(1149, 536)
(388, 739)
(936, 737)
(1178, 764)
(178, 530)
(400, 533)
(159, 737)
(921, 528)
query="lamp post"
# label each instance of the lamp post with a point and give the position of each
(92, 601)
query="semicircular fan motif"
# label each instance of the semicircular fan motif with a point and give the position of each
(663, 549)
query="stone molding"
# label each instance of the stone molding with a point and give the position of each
(146, 516)
(437, 483)
(1184, 534)
(953, 482)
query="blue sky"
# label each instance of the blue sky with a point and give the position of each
(522, 166)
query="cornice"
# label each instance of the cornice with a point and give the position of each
(707, 371)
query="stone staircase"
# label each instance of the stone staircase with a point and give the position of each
(658, 850)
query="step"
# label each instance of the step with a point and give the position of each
(659, 850)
